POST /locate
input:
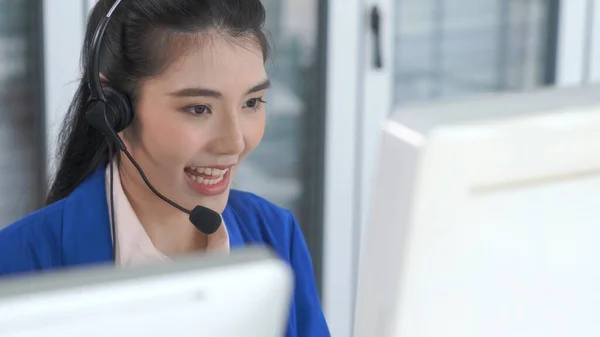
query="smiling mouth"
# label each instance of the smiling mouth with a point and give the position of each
(206, 175)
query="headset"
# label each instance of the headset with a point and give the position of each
(110, 111)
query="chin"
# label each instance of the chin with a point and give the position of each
(216, 202)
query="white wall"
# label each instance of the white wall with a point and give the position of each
(341, 147)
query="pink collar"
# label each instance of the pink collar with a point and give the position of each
(134, 246)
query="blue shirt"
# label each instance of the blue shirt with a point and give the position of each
(76, 231)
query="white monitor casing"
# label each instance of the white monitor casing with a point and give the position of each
(485, 220)
(247, 294)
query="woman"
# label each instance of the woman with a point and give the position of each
(193, 72)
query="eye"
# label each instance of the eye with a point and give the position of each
(254, 103)
(198, 109)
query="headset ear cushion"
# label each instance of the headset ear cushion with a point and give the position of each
(121, 109)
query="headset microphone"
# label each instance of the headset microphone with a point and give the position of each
(109, 111)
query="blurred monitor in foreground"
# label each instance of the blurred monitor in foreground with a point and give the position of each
(245, 294)
(486, 220)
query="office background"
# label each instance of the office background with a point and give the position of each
(330, 95)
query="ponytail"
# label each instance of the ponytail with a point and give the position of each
(81, 149)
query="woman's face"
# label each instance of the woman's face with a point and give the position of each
(199, 119)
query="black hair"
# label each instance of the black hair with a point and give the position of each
(142, 39)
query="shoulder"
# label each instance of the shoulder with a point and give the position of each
(46, 220)
(260, 220)
(253, 206)
(278, 227)
(32, 242)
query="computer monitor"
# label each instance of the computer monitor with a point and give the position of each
(247, 293)
(486, 220)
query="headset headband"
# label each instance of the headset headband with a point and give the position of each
(94, 61)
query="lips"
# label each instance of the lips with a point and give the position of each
(208, 180)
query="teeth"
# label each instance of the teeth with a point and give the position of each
(204, 181)
(217, 172)
(210, 171)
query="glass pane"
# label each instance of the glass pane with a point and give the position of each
(274, 170)
(453, 48)
(287, 167)
(21, 122)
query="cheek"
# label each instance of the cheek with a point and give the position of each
(254, 129)
(166, 138)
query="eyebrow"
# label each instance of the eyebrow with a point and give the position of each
(197, 92)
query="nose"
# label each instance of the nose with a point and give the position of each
(229, 138)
